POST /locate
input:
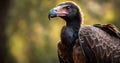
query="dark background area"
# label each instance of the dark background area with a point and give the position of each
(27, 36)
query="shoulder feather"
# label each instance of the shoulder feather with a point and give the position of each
(109, 28)
(100, 42)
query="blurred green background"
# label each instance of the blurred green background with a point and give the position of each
(32, 38)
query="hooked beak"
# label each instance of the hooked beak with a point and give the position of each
(58, 11)
(52, 13)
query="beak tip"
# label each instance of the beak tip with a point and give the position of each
(49, 17)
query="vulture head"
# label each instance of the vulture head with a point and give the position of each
(69, 11)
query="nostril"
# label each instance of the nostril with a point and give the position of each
(56, 10)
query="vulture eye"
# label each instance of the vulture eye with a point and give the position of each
(68, 7)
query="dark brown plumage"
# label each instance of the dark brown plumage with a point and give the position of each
(85, 44)
(100, 43)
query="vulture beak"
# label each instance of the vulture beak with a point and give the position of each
(58, 11)
(52, 14)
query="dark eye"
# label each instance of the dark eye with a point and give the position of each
(68, 7)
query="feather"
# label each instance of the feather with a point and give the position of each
(109, 28)
(101, 46)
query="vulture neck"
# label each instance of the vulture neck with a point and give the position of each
(73, 25)
(74, 22)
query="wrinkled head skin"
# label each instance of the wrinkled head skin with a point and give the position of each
(65, 10)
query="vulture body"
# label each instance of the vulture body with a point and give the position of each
(85, 44)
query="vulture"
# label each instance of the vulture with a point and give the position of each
(97, 43)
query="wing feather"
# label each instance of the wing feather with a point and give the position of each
(99, 44)
(109, 28)
(64, 53)
(78, 55)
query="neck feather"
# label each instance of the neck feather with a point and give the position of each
(73, 21)
(73, 25)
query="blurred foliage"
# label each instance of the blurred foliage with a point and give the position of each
(33, 38)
